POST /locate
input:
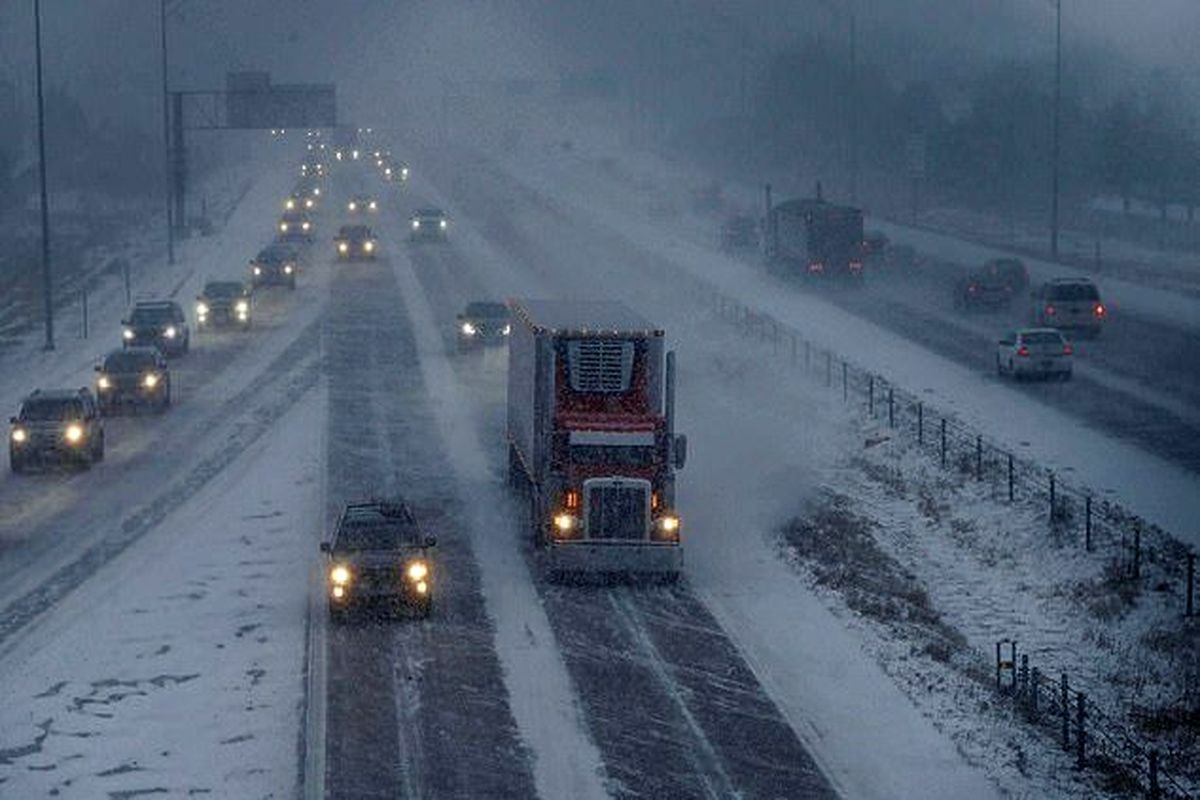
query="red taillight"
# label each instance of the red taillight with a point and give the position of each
(1068, 350)
(1050, 311)
(654, 501)
(571, 499)
(1023, 351)
(1099, 310)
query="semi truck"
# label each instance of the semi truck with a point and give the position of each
(814, 238)
(592, 441)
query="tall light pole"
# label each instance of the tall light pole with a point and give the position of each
(162, 26)
(47, 283)
(1055, 144)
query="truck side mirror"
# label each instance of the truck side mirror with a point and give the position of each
(326, 547)
(680, 450)
(431, 541)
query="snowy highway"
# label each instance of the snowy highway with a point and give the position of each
(736, 682)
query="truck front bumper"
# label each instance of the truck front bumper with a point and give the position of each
(622, 557)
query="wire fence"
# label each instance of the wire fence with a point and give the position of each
(1138, 554)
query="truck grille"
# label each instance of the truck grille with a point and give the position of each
(600, 365)
(616, 512)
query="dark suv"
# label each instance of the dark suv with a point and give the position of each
(134, 377)
(1069, 304)
(275, 265)
(62, 425)
(377, 551)
(158, 323)
(223, 304)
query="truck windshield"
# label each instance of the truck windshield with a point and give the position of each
(621, 456)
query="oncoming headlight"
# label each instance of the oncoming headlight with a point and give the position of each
(416, 223)
(103, 382)
(287, 270)
(372, 205)
(19, 435)
(352, 206)
(283, 227)
(442, 224)
(369, 247)
(242, 307)
(339, 575)
(127, 334)
(290, 204)
(170, 332)
(74, 433)
(343, 247)
(201, 309)
(469, 329)
(258, 270)
(150, 381)
(564, 523)
(305, 226)
(506, 330)
(417, 570)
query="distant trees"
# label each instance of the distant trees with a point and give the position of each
(989, 135)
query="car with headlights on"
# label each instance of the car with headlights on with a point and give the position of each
(1034, 352)
(428, 224)
(355, 243)
(296, 226)
(136, 377)
(377, 551)
(223, 304)
(1071, 304)
(362, 204)
(157, 323)
(394, 172)
(59, 425)
(299, 201)
(483, 322)
(275, 265)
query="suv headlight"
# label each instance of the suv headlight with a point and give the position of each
(127, 333)
(74, 433)
(442, 224)
(201, 309)
(469, 329)
(339, 575)
(103, 382)
(170, 332)
(352, 206)
(19, 435)
(242, 307)
(258, 270)
(369, 246)
(343, 247)
(417, 571)
(416, 223)
(287, 270)
(283, 227)
(372, 205)
(150, 381)
(305, 226)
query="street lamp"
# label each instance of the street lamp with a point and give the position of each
(47, 283)
(1055, 142)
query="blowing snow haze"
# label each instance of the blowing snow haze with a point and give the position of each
(619, 399)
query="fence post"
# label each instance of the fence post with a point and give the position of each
(891, 407)
(1033, 695)
(1053, 505)
(943, 442)
(845, 382)
(1137, 550)
(1010, 477)
(1191, 581)
(978, 457)
(1080, 734)
(828, 368)
(871, 395)
(920, 424)
(1065, 699)
(1154, 775)
(1087, 523)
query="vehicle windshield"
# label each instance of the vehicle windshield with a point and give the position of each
(487, 310)
(428, 212)
(126, 362)
(373, 531)
(354, 232)
(274, 256)
(1068, 292)
(51, 410)
(223, 290)
(152, 315)
(1042, 337)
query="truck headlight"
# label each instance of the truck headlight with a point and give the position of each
(564, 523)
(352, 206)
(103, 382)
(242, 307)
(416, 223)
(74, 433)
(417, 571)
(258, 270)
(372, 205)
(343, 247)
(369, 246)
(127, 334)
(339, 575)
(201, 309)
(283, 227)
(19, 435)
(170, 332)
(668, 527)
(469, 329)
(150, 381)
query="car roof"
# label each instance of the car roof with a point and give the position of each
(429, 212)
(354, 230)
(155, 305)
(55, 394)
(147, 352)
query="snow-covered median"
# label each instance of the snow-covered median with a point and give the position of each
(178, 668)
